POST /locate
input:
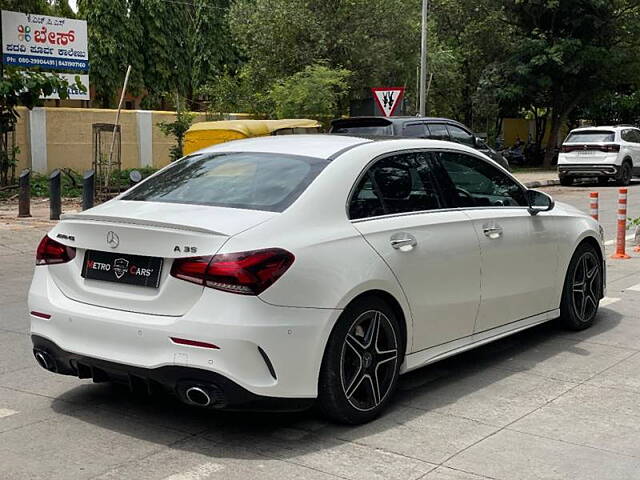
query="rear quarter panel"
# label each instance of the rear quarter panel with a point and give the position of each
(333, 263)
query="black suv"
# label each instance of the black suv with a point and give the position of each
(416, 127)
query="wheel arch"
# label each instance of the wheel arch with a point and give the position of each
(589, 239)
(399, 306)
(394, 304)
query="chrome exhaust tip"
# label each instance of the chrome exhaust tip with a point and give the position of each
(45, 360)
(198, 396)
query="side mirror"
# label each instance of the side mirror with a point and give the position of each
(539, 202)
(478, 142)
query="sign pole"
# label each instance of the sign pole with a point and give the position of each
(423, 60)
(115, 126)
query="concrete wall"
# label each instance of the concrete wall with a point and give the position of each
(60, 137)
(523, 128)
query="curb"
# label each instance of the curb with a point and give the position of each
(543, 183)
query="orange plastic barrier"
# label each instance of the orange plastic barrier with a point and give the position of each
(622, 225)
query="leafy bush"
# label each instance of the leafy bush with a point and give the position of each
(177, 129)
(316, 91)
(121, 178)
(71, 184)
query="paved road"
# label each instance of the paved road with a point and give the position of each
(544, 404)
(578, 196)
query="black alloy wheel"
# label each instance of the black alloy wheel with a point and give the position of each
(368, 360)
(361, 362)
(582, 289)
(586, 287)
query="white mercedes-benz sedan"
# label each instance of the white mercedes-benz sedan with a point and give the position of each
(279, 271)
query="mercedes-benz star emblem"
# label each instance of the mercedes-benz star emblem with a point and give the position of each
(112, 239)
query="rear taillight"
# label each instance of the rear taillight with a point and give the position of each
(246, 273)
(50, 252)
(609, 147)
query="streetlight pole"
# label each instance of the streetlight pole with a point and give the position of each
(423, 60)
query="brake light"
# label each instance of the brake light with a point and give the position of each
(50, 252)
(246, 273)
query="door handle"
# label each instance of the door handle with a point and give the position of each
(403, 241)
(492, 231)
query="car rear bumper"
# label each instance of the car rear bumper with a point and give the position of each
(587, 170)
(224, 393)
(267, 350)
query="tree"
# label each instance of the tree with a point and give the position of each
(185, 45)
(377, 40)
(566, 51)
(613, 107)
(467, 38)
(316, 91)
(26, 6)
(162, 49)
(112, 46)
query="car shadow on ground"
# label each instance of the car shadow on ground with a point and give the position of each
(499, 382)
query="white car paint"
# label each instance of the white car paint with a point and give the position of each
(456, 289)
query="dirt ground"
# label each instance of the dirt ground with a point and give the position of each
(39, 213)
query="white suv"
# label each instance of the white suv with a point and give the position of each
(602, 152)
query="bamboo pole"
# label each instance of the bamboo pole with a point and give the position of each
(115, 126)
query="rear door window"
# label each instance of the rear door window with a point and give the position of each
(415, 130)
(461, 136)
(397, 184)
(438, 131)
(249, 180)
(634, 136)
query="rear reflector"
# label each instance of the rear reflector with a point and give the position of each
(246, 273)
(194, 343)
(50, 252)
(46, 316)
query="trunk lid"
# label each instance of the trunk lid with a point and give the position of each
(150, 229)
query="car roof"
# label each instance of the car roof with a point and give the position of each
(322, 146)
(398, 119)
(326, 146)
(602, 128)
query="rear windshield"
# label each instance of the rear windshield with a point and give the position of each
(364, 130)
(254, 181)
(362, 126)
(591, 136)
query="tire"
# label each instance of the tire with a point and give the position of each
(566, 181)
(624, 175)
(356, 360)
(582, 289)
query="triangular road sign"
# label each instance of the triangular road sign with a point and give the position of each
(387, 98)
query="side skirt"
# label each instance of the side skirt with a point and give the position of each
(440, 352)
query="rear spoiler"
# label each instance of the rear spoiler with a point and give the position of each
(146, 223)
